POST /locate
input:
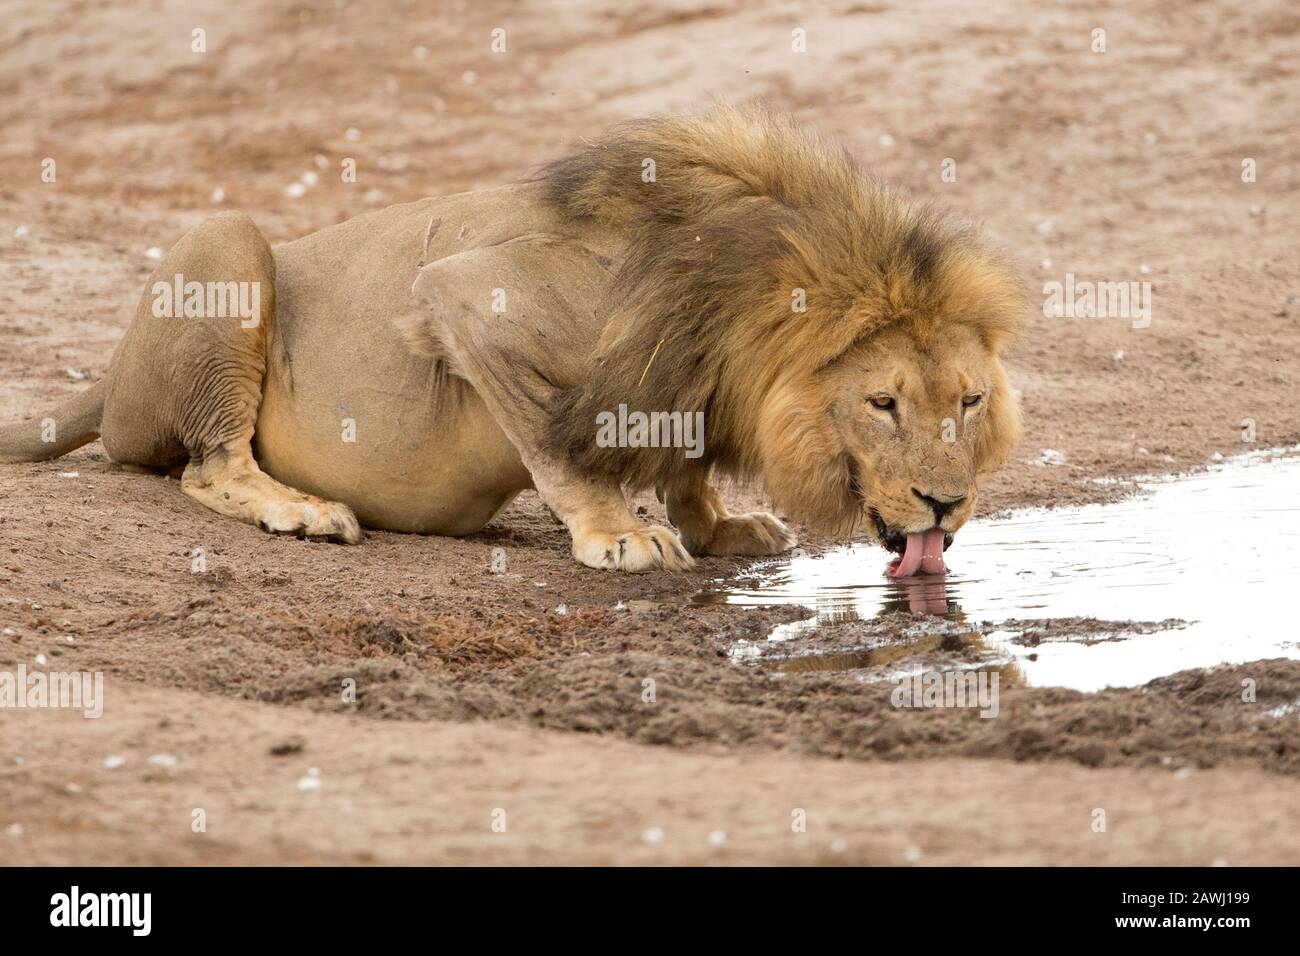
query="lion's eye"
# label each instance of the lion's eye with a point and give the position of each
(883, 402)
(970, 401)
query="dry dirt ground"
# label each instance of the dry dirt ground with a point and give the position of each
(476, 701)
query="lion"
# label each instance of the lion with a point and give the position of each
(416, 368)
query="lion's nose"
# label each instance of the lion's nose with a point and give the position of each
(939, 506)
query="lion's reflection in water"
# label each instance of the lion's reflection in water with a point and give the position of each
(1084, 597)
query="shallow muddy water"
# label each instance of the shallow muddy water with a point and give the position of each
(1219, 550)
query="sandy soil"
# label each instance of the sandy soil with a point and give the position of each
(474, 694)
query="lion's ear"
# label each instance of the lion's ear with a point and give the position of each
(1001, 433)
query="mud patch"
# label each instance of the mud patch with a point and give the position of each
(666, 676)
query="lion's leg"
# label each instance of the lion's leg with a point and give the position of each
(515, 370)
(707, 527)
(185, 385)
(228, 481)
(605, 533)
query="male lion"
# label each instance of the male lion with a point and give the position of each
(416, 368)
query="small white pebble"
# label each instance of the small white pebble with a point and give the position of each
(313, 771)
(113, 762)
(21, 232)
(72, 788)
(295, 190)
(8, 632)
(218, 195)
(839, 845)
(717, 838)
(539, 584)
(309, 783)
(620, 606)
(562, 609)
(1050, 456)
(1045, 227)
(1150, 138)
(653, 835)
(1144, 269)
(154, 253)
(69, 639)
(374, 195)
(1119, 356)
(886, 140)
(469, 77)
(1217, 456)
(1256, 210)
(912, 854)
(1046, 263)
(69, 474)
(321, 161)
(14, 830)
(163, 760)
(309, 178)
(353, 134)
(75, 375)
(41, 660)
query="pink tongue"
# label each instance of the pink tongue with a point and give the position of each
(924, 552)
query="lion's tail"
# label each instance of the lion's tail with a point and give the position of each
(71, 425)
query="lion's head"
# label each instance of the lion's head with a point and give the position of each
(890, 438)
(844, 344)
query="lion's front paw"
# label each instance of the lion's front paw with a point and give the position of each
(755, 534)
(647, 549)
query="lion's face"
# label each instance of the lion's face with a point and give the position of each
(892, 437)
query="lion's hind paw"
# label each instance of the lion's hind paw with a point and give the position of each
(312, 518)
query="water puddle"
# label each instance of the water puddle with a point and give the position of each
(1212, 558)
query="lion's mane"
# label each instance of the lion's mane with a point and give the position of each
(743, 209)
